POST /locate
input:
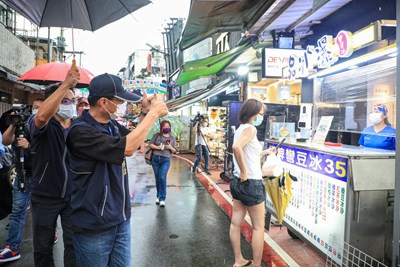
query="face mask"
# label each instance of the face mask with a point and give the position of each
(116, 114)
(375, 117)
(66, 111)
(34, 111)
(258, 120)
(166, 130)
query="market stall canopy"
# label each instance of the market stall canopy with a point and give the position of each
(199, 95)
(207, 18)
(195, 69)
(81, 14)
(25, 86)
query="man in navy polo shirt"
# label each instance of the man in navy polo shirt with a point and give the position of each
(97, 146)
(50, 188)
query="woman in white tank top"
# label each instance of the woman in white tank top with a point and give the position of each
(247, 187)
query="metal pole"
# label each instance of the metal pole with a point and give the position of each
(245, 81)
(166, 55)
(48, 45)
(170, 54)
(129, 67)
(173, 28)
(37, 46)
(396, 215)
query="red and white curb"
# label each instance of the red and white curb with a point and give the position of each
(223, 197)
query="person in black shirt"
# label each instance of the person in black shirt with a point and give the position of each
(21, 197)
(50, 178)
(97, 146)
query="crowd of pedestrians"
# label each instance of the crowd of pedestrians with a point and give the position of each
(75, 170)
(67, 144)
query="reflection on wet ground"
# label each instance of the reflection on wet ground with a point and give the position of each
(190, 231)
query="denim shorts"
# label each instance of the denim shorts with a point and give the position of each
(250, 193)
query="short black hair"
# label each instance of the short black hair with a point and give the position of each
(93, 99)
(250, 108)
(49, 90)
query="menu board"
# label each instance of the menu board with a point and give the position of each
(318, 204)
(322, 130)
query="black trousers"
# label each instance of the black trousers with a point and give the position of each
(45, 212)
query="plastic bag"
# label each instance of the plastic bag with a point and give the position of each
(272, 167)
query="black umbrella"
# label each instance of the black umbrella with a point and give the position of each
(80, 14)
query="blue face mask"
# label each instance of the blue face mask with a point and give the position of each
(258, 120)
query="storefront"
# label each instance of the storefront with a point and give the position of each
(344, 193)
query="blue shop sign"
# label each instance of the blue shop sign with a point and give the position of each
(326, 164)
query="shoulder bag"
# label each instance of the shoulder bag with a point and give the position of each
(148, 155)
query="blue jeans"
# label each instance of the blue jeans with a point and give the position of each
(200, 149)
(17, 218)
(160, 167)
(110, 247)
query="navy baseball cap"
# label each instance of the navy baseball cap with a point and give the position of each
(111, 85)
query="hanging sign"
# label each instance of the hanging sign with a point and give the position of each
(284, 92)
(329, 50)
(144, 84)
(275, 60)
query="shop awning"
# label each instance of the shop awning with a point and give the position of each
(195, 69)
(207, 18)
(199, 95)
(11, 78)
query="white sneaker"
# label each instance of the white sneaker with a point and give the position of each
(162, 203)
(157, 201)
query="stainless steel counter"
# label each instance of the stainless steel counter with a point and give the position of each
(344, 192)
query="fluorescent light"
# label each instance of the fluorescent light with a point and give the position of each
(352, 67)
(243, 70)
(356, 61)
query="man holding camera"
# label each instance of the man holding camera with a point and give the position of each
(21, 188)
(200, 143)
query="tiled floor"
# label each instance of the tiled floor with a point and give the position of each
(279, 249)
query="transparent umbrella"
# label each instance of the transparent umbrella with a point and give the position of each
(177, 126)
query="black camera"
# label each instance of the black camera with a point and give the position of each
(20, 116)
(199, 118)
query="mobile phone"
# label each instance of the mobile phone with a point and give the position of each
(167, 142)
(279, 145)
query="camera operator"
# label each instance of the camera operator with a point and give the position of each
(21, 188)
(201, 132)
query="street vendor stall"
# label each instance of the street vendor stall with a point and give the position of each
(342, 193)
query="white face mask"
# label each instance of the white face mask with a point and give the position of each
(66, 111)
(34, 111)
(119, 112)
(375, 117)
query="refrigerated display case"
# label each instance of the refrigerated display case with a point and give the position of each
(345, 192)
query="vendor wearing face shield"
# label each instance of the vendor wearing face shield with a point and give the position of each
(381, 134)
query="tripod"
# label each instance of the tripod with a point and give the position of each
(20, 155)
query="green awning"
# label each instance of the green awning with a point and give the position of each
(195, 69)
(199, 95)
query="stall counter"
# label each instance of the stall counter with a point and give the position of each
(343, 194)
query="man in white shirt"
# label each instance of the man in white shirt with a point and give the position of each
(201, 144)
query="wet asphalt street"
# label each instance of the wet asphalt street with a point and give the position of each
(191, 230)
